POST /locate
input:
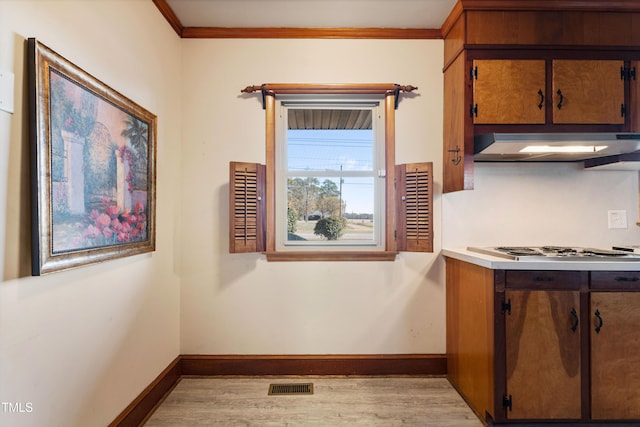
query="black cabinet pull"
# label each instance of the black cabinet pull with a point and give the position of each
(600, 322)
(561, 99)
(542, 279)
(626, 279)
(574, 315)
(456, 155)
(541, 93)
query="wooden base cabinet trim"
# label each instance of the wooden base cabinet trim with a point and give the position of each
(138, 411)
(402, 364)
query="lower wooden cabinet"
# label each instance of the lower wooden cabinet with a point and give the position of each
(531, 346)
(615, 355)
(542, 340)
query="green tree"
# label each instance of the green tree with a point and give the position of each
(332, 228)
(292, 220)
(303, 194)
(137, 133)
(328, 198)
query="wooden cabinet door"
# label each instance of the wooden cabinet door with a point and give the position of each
(634, 99)
(470, 339)
(458, 131)
(507, 91)
(543, 354)
(587, 92)
(615, 355)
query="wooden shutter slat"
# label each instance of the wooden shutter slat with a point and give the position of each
(414, 221)
(246, 207)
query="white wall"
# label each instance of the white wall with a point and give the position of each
(541, 204)
(81, 345)
(241, 304)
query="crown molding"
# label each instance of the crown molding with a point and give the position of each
(290, 33)
(309, 33)
(391, 33)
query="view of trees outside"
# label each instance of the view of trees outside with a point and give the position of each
(330, 184)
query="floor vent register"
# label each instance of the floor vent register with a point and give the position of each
(287, 389)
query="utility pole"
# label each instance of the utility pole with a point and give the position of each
(340, 198)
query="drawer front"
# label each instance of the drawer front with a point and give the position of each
(615, 280)
(531, 279)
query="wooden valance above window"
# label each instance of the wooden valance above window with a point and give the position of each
(273, 89)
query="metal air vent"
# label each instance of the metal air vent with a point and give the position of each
(283, 389)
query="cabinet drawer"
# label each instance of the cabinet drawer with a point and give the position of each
(529, 279)
(615, 280)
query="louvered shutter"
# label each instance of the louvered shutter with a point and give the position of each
(246, 207)
(414, 218)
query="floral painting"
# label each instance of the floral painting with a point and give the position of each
(93, 158)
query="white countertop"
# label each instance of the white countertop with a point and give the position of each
(497, 263)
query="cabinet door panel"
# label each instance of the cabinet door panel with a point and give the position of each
(508, 91)
(470, 337)
(634, 100)
(591, 92)
(615, 355)
(543, 354)
(458, 140)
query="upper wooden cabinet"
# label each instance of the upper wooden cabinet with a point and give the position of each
(511, 91)
(553, 69)
(588, 91)
(508, 91)
(457, 130)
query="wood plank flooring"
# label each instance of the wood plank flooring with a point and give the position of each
(352, 401)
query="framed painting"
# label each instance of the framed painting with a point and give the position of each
(93, 172)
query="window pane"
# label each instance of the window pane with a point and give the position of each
(330, 150)
(330, 209)
(329, 166)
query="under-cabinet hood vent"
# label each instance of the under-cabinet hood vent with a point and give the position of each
(552, 147)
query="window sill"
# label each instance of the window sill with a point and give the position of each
(331, 256)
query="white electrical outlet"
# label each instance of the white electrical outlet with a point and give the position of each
(617, 218)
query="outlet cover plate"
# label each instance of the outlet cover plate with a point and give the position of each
(617, 218)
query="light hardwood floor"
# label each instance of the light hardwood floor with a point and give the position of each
(352, 401)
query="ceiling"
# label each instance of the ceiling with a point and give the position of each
(414, 14)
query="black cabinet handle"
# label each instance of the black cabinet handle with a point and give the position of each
(574, 315)
(600, 322)
(541, 93)
(456, 155)
(561, 99)
(626, 279)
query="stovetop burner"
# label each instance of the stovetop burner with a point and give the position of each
(560, 253)
(518, 250)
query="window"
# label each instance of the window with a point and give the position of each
(330, 176)
(330, 189)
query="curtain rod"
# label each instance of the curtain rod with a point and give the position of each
(272, 89)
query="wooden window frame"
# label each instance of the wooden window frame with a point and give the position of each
(390, 92)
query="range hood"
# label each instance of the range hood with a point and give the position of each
(553, 147)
